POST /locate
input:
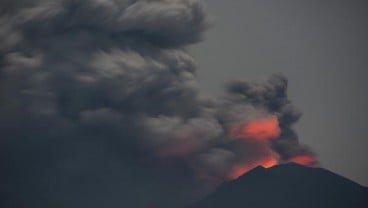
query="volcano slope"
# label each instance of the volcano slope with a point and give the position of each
(287, 186)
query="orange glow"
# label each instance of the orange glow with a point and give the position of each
(239, 170)
(260, 129)
(306, 160)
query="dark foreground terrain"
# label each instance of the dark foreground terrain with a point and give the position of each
(287, 186)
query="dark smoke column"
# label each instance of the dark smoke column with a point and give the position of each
(99, 108)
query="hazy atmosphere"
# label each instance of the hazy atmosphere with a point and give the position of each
(320, 46)
(160, 103)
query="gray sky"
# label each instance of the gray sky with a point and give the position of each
(97, 97)
(321, 46)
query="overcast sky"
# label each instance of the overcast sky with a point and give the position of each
(321, 46)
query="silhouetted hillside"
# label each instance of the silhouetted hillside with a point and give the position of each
(288, 186)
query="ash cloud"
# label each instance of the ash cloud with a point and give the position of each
(99, 107)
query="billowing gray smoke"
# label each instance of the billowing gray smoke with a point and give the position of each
(99, 108)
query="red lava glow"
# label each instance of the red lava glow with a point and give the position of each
(260, 129)
(306, 160)
(239, 170)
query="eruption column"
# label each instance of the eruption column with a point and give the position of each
(260, 129)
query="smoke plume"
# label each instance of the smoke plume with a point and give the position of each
(99, 107)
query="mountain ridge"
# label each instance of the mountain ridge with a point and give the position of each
(287, 185)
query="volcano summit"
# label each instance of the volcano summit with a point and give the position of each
(287, 186)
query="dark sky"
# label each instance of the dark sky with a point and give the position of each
(99, 107)
(320, 46)
(100, 104)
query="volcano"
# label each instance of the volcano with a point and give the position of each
(287, 186)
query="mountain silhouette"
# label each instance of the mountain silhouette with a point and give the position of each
(287, 186)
